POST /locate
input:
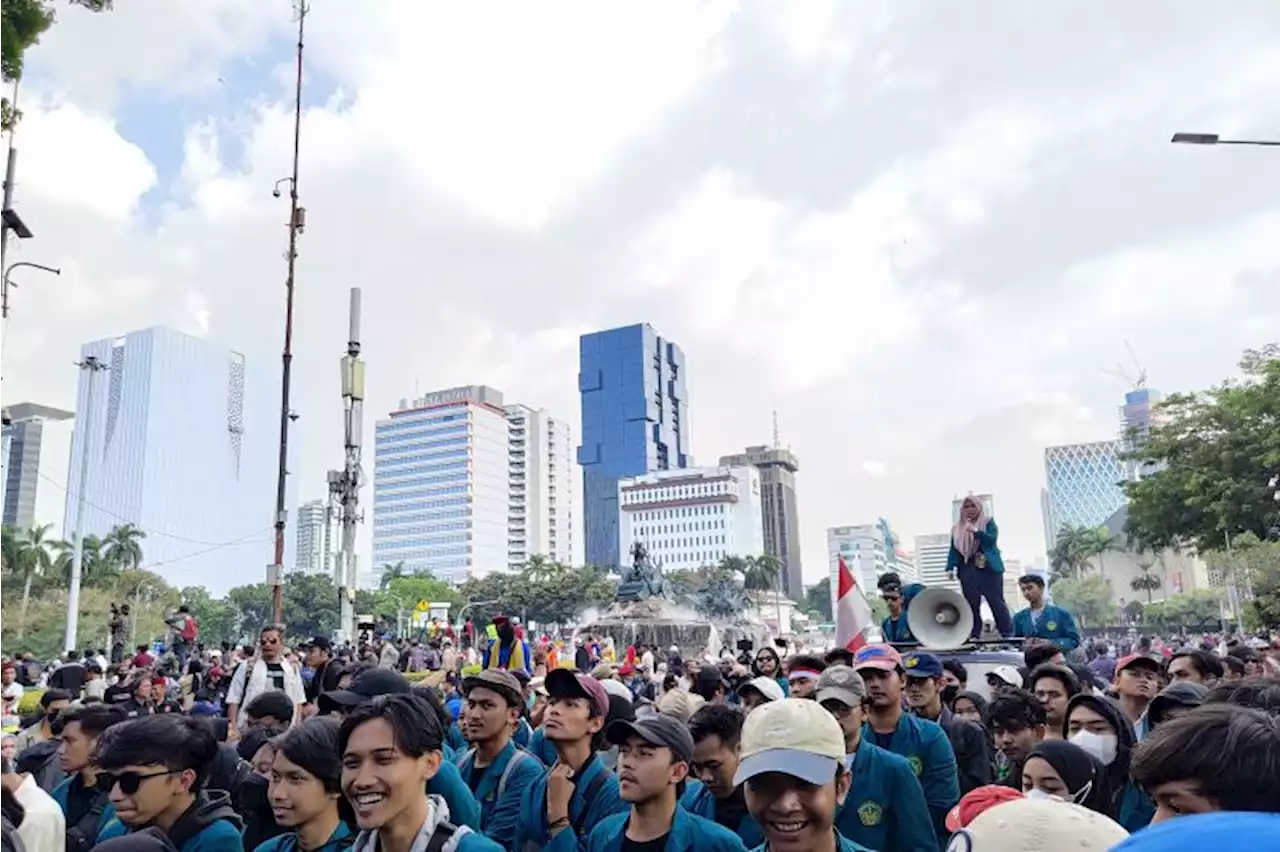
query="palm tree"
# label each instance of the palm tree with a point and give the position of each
(764, 574)
(392, 572)
(95, 569)
(1100, 541)
(122, 546)
(539, 569)
(1071, 551)
(28, 556)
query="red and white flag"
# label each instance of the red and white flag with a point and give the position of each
(853, 613)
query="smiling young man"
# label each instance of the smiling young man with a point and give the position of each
(654, 755)
(494, 768)
(157, 767)
(86, 806)
(793, 773)
(560, 808)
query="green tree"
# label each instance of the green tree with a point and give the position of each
(1147, 581)
(28, 556)
(760, 574)
(1088, 598)
(310, 605)
(1133, 611)
(1071, 551)
(254, 603)
(391, 572)
(22, 22)
(218, 619)
(817, 599)
(1254, 567)
(123, 546)
(1216, 451)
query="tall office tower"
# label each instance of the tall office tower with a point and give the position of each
(1083, 485)
(182, 437)
(931, 560)
(988, 506)
(540, 519)
(1138, 414)
(634, 422)
(780, 513)
(691, 518)
(442, 485)
(22, 436)
(875, 547)
(314, 542)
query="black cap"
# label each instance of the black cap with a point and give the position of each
(658, 730)
(710, 678)
(364, 686)
(320, 642)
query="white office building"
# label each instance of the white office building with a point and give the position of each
(931, 561)
(182, 436)
(691, 517)
(540, 518)
(314, 543)
(875, 549)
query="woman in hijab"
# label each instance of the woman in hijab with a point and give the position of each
(975, 558)
(1058, 768)
(1097, 726)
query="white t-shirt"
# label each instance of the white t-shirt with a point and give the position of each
(44, 828)
(12, 697)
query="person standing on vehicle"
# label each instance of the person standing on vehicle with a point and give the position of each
(1042, 620)
(975, 559)
(924, 691)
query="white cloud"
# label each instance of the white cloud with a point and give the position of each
(875, 468)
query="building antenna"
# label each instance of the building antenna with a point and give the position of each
(777, 441)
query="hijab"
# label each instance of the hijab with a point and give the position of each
(962, 537)
(1117, 773)
(1084, 774)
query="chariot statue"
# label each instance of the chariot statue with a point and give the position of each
(642, 580)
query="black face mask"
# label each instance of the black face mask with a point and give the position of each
(949, 694)
(253, 795)
(506, 635)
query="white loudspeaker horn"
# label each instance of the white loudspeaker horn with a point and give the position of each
(940, 619)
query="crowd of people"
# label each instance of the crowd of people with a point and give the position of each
(515, 742)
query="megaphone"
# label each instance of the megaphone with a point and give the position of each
(940, 619)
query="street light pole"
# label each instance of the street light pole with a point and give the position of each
(4, 295)
(296, 223)
(1215, 139)
(94, 366)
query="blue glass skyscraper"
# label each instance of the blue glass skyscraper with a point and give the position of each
(634, 421)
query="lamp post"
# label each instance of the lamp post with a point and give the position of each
(4, 294)
(1215, 139)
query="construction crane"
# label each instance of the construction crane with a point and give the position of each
(1137, 380)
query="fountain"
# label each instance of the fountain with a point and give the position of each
(643, 612)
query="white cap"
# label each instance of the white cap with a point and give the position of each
(618, 688)
(766, 686)
(793, 736)
(1037, 825)
(1008, 674)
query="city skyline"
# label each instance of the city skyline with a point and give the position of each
(927, 310)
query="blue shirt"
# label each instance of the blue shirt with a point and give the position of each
(926, 747)
(533, 827)
(700, 801)
(885, 803)
(1053, 624)
(447, 783)
(542, 748)
(688, 832)
(341, 838)
(844, 845)
(62, 793)
(896, 630)
(499, 816)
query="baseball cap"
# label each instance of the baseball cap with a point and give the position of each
(917, 664)
(364, 686)
(1136, 659)
(564, 683)
(880, 656)
(538, 685)
(976, 801)
(321, 642)
(793, 736)
(499, 680)
(656, 730)
(1218, 830)
(1008, 674)
(1039, 825)
(843, 684)
(766, 686)
(709, 679)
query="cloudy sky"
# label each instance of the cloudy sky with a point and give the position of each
(920, 231)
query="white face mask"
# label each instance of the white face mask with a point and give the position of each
(1037, 793)
(1101, 746)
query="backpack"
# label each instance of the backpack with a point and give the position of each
(189, 629)
(82, 836)
(520, 755)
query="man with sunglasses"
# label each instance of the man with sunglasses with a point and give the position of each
(896, 597)
(154, 769)
(268, 672)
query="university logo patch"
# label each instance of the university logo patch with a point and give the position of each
(870, 813)
(917, 765)
(1052, 625)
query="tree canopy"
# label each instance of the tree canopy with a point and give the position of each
(22, 22)
(1214, 454)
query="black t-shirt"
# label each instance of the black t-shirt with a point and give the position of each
(71, 677)
(658, 844)
(730, 811)
(477, 776)
(883, 740)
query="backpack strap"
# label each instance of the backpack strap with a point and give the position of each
(520, 755)
(588, 799)
(462, 759)
(84, 834)
(446, 837)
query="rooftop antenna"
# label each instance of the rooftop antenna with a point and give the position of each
(777, 442)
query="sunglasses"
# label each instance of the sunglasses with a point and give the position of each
(130, 782)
